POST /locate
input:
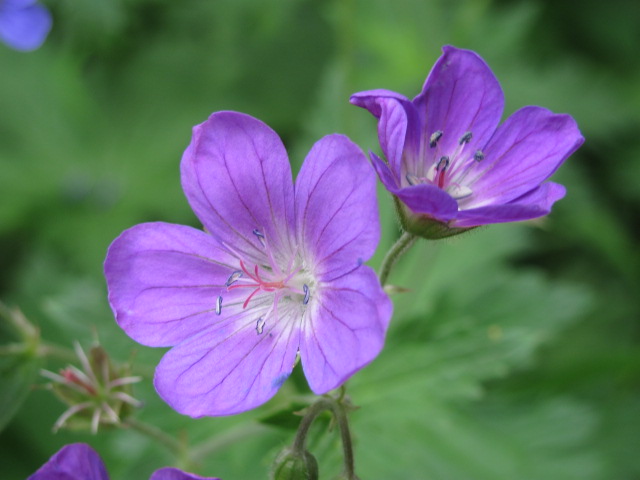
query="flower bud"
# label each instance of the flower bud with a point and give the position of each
(98, 393)
(291, 465)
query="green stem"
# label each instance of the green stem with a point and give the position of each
(224, 439)
(174, 446)
(341, 417)
(395, 252)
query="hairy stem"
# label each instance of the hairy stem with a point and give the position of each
(405, 241)
(339, 412)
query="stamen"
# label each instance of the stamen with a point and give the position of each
(443, 163)
(466, 138)
(260, 325)
(219, 305)
(260, 236)
(478, 156)
(435, 136)
(233, 278)
(412, 179)
(307, 294)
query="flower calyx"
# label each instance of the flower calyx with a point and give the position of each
(98, 393)
(423, 225)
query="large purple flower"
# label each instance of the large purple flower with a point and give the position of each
(78, 461)
(448, 166)
(276, 274)
(24, 24)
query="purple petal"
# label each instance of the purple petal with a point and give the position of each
(429, 200)
(384, 173)
(460, 95)
(169, 473)
(77, 461)
(399, 126)
(24, 26)
(228, 368)
(336, 207)
(344, 329)
(164, 280)
(529, 147)
(237, 178)
(535, 204)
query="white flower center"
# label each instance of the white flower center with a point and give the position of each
(270, 285)
(447, 172)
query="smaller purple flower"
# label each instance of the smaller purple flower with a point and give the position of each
(450, 167)
(24, 24)
(78, 461)
(276, 277)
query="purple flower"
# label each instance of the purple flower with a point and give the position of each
(277, 274)
(450, 167)
(24, 24)
(78, 461)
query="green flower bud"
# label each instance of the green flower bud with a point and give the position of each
(291, 465)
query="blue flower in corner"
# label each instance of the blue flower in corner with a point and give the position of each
(24, 24)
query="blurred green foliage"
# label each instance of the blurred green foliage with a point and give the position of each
(515, 352)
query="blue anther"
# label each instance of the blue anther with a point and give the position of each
(233, 278)
(478, 156)
(260, 236)
(466, 138)
(219, 305)
(260, 325)
(412, 179)
(442, 163)
(307, 293)
(435, 136)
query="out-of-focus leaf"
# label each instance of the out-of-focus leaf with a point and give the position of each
(414, 390)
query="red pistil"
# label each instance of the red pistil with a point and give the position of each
(259, 285)
(440, 178)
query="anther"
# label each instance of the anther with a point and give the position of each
(233, 278)
(260, 325)
(219, 305)
(466, 138)
(307, 293)
(260, 236)
(478, 156)
(412, 179)
(443, 163)
(435, 136)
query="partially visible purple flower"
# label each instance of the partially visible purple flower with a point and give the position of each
(450, 167)
(78, 461)
(24, 24)
(276, 276)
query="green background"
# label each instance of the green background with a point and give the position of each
(515, 353)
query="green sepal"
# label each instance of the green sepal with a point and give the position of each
(423, 225)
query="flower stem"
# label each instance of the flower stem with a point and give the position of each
(339, 412)
(224, 439)
(395, 252)
(174, 446)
